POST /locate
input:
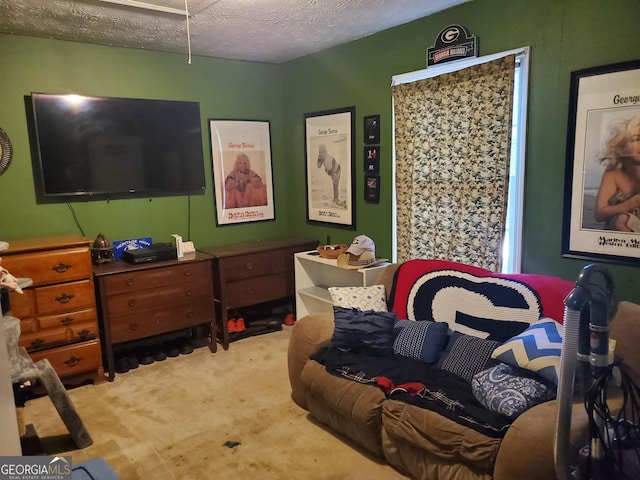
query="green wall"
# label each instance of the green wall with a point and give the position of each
(564, 35)
(225, 89)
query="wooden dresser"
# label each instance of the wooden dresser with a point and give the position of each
(252, 272)
(141, 301)
(58, 316)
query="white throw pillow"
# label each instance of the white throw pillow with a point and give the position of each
(362, 298)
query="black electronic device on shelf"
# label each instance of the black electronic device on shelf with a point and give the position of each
(139, 255)
(164, 251)
(154, 253)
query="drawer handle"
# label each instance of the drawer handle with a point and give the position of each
(134, 326)
(37, 342)
(83, 333)
(129, 282)
(64, 298)
(189, 314)
(189, 292)
(67, 320)
(187, 273)
(73, 361)
(249, 266)
(61, 267)
(131, 302)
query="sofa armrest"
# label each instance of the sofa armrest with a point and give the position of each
(625, 329)
(527, 450)
(386, 278)
(309, 334)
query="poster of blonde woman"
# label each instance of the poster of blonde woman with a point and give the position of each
(242, 174)
(602, 203)
(329, 153)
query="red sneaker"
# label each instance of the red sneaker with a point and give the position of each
(240, 326)
(289, 320)
(232, 325)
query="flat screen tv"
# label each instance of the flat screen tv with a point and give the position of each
(97, 148)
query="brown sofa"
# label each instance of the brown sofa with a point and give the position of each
(421, 443)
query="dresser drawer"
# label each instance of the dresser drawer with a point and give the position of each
(72, 359)
(161, 320)
(43, 338)
(137, 301)
(53, 266)
(156, 277)
(257, 290)
(23, 305)
(69, 319)
(28, 325)
(253, 265)
(66, 297)
(57, 336)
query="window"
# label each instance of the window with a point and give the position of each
(512, 242)
(512, 247)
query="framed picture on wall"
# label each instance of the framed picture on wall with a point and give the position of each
(372, 159)
(242, 171)
(602, 179)
(372, 129)
(372, 188)
(329, 166)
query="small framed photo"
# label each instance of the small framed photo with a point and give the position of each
(372, 129)
(372, 160)
(372, 188)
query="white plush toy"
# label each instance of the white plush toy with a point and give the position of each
(8, 280)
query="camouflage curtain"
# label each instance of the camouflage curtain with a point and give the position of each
(452, 141)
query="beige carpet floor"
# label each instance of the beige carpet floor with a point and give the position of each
(171, 420)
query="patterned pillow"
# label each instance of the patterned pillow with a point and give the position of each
(466, 355)
(362, 298)
(363, 331)
(537, 349)
(420, 340)
(503, 390)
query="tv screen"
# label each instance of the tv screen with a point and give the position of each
(95, 148)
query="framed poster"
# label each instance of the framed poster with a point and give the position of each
(602, 179)
(329, 165)
(242, 173)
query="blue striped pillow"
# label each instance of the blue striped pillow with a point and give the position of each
(363, 331)
(536, 349)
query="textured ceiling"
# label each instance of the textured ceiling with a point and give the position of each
(272, 31)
